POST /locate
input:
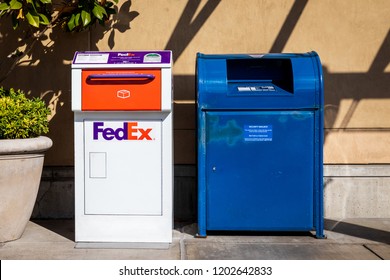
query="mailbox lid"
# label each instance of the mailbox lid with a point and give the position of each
(264, 81)
(121, 90)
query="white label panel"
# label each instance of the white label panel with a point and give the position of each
(97, 165)
(91, 58)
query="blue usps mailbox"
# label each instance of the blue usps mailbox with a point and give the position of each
(260, 142)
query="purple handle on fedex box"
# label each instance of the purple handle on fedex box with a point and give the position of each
(120, 77)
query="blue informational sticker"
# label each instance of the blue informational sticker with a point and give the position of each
(258, 133)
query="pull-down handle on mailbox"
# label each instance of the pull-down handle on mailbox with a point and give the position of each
(115, 77)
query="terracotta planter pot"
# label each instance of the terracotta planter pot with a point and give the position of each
(21, 163)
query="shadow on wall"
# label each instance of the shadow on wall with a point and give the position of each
(357, 86)
(337, 86)
(360, 231)
(188, 26)
(46, 72)
(120, 23)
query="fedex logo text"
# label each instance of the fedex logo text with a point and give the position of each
(129, 131)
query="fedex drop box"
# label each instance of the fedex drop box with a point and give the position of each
(122, 103)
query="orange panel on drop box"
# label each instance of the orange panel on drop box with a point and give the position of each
(121, 90)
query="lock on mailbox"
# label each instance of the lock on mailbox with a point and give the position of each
(122, 103)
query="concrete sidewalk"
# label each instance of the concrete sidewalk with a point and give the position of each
(350, 239)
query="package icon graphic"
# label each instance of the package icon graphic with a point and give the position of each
(123, 93)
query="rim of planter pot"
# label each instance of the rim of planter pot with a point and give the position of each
(25, 146)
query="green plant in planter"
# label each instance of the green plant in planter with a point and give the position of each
(21, 117)
(21, 160)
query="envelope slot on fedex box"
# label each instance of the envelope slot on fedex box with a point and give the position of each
(121, 90)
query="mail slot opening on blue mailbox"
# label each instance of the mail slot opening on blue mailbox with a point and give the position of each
(264, 74)
(260, 138)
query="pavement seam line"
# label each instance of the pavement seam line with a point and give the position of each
(183, 255)
(372, 251)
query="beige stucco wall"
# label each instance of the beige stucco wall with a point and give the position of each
(352, 38)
